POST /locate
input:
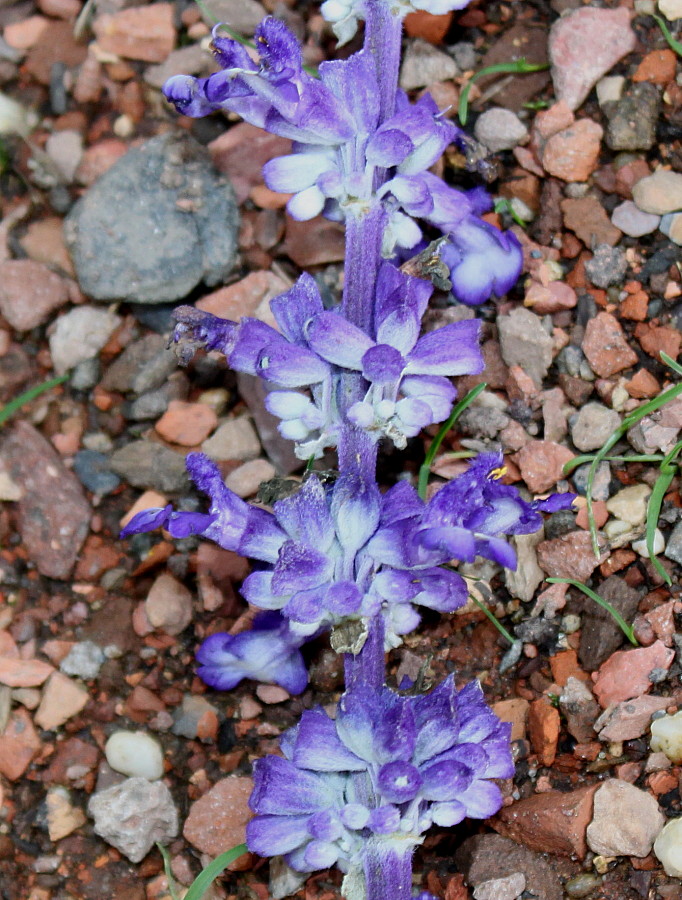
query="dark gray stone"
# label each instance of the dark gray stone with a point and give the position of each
(601, 635)
(608, 266)
(674, 548)
(600, 484)
(93, 470)
(633, 118)
(159, 222)
(143, 366)
(145, 464)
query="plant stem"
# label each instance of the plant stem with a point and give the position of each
(383, 37)
(388, 871)
(366, 668)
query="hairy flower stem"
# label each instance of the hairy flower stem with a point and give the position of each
(388, 871)
(366, 668)
(357, 451)
(383, 33)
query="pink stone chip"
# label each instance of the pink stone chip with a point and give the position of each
(29, 292)
(16, 673)
(19, 743)
(187, 424)
(583, 46)
(626, 674)
(542, 463)
(146, 33)
(573, 154)
(62, 698)
(606, 347)
(630, 719)
(218, 819)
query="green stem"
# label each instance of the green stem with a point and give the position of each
(8, 410)
(518, 67)
(457, 410)
(622, 624)
(672, 43)
(667, 471)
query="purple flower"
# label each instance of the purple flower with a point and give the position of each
(407, 376)
(269, 652)
(471, 514)
(482, 260)
(386, 767)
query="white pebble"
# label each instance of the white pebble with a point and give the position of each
(641, 548)
(135, 754)
(666, 736)
(668, 848)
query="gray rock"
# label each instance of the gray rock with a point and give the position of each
(155, 225)
(580, 709)
(93, 470)
(608, 266)
(423, 64)
(600, 484)
(483, 421)
(243, 16)
(500, 129)
(593, 425)
(632, 119)
(145, 464)
(84, 660)
(153, 404)
(673, 549)
(625, 822)
(79, 335)
(143, 366)
(464, 54)
(570, 360)
(600, 635)
(235, 439)
(133, 815)
(524, 342)
(86, 374)
(632, 221)
(671, 226)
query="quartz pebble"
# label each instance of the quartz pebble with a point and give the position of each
(80, 335)
(593, 425)
(666, 736)
(642, 549)
(631, 220)
(133, 815)
(84, 659)
(630, 504)
(668, 848)
(508, 888)
(135, 754)
(659, 193)
(626, 820)
(500, 129)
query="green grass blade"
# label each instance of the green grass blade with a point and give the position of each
(622, 429)
(493, 618)
(622, 624)
(588, 457)
(172, 887)
(207, 876)
(9, 409)
(457, 411)
(670, 362)
(517, 67)
(668, 470)
(672, 43)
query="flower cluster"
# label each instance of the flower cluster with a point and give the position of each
(345, 552)
(345, 161)
(404, 374)
(387, 767)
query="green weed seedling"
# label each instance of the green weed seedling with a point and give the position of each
(206, 877)
(622, 624)
(517, 67)
(9, 409)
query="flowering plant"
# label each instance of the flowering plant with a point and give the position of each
(361, 789)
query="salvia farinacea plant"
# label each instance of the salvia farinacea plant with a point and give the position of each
(360, 789)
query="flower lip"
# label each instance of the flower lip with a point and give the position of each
(399, 781)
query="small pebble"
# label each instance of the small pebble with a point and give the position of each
(640, 547)
(625, 822)
(630, 504)
(666, 736)
(500, 129)
(582, 885)
(84, 660)
(135, 754)
(668, 848)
